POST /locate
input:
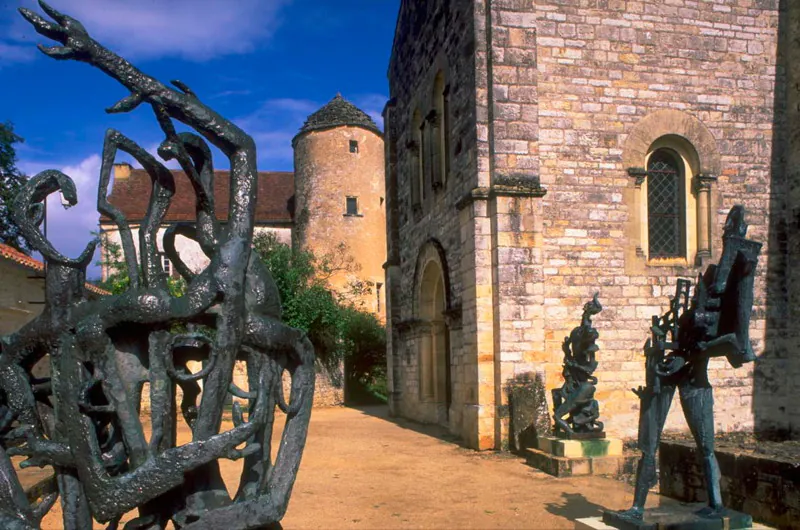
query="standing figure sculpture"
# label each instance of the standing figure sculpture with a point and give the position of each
(576, 396)
(84, 419)
(714, 323)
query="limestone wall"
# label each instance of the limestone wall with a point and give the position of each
(432, 37)
(328, 387)
(761, 485)
(18, 296)
(707, 71)
(573, 96)
(778, 369)
(326, 174)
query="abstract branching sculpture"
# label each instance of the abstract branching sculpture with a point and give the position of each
(714, 323)
(576, 396)
(84, 418)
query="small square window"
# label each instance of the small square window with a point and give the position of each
(353, 146)
(166, 265)
(352, 206)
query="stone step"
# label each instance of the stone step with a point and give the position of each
(560, 466)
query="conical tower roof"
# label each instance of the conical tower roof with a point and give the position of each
(335, 113)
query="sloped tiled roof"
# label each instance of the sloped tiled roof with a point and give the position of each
(12, 254)
(15, 255)
(132, 196)
(335, 113)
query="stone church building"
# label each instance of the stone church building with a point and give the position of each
(539, 151)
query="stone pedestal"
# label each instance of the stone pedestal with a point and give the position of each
(591, 448)
(596, 523)
(672, 517)
(567, 458)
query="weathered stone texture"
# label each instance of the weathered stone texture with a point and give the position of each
(433, 37)
(572, 95)
(635, 59)
(777, 373)
(326, 173)
(328, 386)
(21, 296)
(765, 487)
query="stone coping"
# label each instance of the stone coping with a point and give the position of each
(766, 488)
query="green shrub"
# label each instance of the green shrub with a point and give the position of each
(118, 280)
(340, 330)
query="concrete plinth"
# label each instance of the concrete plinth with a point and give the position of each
(568, 458)
(681, 516)
(596, 523)
(580, 448)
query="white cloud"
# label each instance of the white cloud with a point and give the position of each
(373, 105)
(280, 112)
(11, 53)
(196, 30)
(153, 150)
(272, 126)
(274, 150)
(230, 93)
(69, 230)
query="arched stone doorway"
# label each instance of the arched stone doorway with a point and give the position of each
(434, 339)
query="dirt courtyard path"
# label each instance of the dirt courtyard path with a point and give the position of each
(363, 470)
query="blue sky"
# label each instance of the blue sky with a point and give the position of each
(266, 64)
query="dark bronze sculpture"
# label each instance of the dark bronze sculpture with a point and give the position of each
(714, 323)
(576, 396)
(84, 418)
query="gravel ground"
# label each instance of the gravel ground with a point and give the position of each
(363, 470)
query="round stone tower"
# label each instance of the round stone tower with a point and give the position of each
(339, 195)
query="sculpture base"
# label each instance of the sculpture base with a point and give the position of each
(580, 448)
(677, 517)
(570, 458)
(580, 435)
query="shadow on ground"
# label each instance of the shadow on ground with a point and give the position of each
(435, 431)
(574, 506)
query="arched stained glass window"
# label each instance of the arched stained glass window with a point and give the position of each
(665, 199)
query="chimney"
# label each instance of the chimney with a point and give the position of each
(122, 170)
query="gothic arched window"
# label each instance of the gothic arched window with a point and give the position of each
(417, 160)
(440, 164)
(665, 205)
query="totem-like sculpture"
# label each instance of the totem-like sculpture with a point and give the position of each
(84, 419)
(576, 397)
(714, 323)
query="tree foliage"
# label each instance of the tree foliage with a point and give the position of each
(335, 321)
(11, 179)
(117, 278)
(365, 348)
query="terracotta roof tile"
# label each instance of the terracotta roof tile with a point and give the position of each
(10, 253)
(275, 191)
(15, 255)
